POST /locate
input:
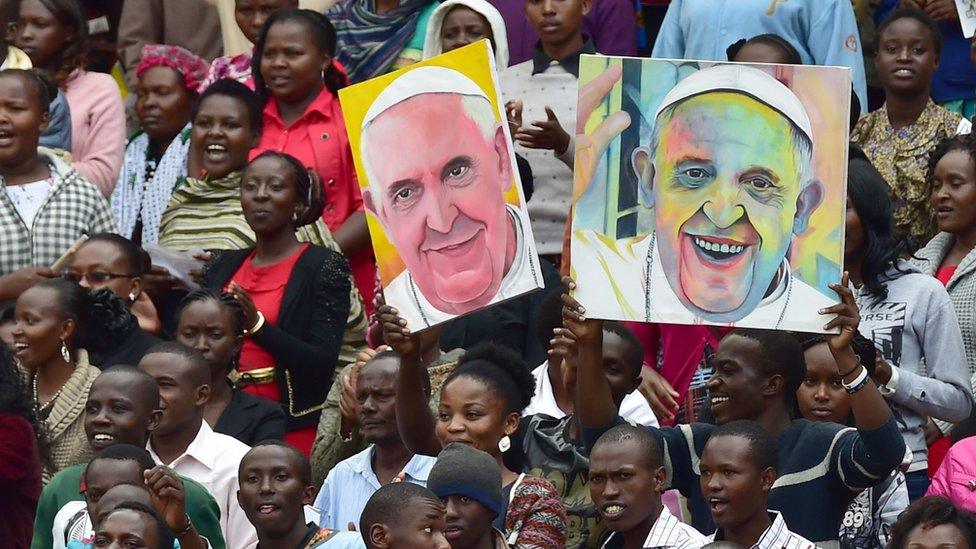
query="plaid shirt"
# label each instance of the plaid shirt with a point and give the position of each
(668, 533)
(73, 207)
(777, 536)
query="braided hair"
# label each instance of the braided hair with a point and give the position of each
(225, 301)
(102, 321)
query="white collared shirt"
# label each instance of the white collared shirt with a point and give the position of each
(777, 536)
(212, 460)
(670, 533)
(523, 276)
(613, 282)
(633, 408)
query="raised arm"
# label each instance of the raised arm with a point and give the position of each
(867, 457)
(414, 419)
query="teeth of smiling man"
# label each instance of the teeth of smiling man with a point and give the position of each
(715, 247)
(613, 509)
(719, 400)
(216, 148)
(104, 437)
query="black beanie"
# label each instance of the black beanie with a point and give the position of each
(466, 471)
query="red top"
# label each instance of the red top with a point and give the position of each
(318, 139)
(20, 477)
(944, 274)
(266, 286)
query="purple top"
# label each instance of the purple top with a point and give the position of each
(612, 24)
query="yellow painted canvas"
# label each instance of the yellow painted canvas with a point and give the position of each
(710, 193)
(444, 202)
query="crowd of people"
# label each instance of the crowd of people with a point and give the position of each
(195, 350)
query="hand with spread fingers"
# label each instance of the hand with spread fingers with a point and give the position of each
(591, 146)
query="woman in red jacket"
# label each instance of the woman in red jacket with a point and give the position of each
(294, 69)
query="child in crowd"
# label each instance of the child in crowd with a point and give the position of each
(868, 519)
(899, 136)
(119, 465)
(403, 515)
(54, 34)
(353, 480)
(250, 16)
(303, 118)
(542, 92)
(275, 486)
(738, 469)
(185, 442)
(627, 478)
(49, 204)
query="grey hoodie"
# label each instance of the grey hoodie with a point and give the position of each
(916, 331)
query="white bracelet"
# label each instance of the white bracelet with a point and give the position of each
(858, 382)
(258, 324)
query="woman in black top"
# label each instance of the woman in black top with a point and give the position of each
(213, 323)
(110, 261)
(295, 296)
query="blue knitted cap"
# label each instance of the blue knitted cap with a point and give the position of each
(465, 471)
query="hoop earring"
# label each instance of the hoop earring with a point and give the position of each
(64, 352)
(504, 444)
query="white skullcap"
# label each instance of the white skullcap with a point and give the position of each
(750, 81)
(418, 82)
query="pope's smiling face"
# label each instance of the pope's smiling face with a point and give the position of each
(728, 187)
(439, 195)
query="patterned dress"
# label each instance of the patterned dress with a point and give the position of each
(902, 158)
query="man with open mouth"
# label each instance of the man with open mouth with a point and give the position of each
(729, 176)
(627, 477)
(441, 199)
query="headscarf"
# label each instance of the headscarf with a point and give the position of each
(191, 67)
(432, 42)
(370, 41)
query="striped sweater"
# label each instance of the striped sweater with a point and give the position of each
(824, 465)
(535, 518)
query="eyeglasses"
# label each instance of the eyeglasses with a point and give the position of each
(93, 278)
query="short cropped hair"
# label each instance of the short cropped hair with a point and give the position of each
(648, 445)
(763, 448)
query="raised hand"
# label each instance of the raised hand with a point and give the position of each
(168, 497)
(590, 147)
(395, 331)
(547, 134)
(659, 394)
(574, 317)
(847, 319)
(247, 304)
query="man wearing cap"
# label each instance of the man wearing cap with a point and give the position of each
(469, 482)
(729, 176)
(441, 199)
